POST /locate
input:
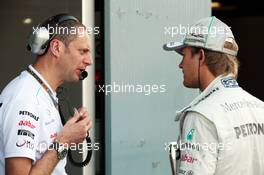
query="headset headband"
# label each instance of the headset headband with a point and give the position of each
(40, 38)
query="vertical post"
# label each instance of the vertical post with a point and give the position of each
(88, 89)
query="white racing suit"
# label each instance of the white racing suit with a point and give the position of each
(222, 132)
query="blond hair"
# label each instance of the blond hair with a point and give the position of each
(219, 63)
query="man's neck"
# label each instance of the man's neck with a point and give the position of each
(206, 79)
(48, 73)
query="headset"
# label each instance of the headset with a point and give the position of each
(40, 36)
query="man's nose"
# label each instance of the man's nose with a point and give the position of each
(88, 60)
(180, 65)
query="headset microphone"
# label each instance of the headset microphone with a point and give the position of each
(83, 75)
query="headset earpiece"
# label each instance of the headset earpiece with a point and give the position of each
(201, 54)
(40, 37)
(37, 40)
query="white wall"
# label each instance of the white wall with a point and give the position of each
(139, 125)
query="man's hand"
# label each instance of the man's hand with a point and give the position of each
(76, 129)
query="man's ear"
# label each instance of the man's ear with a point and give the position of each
(202, 57)
(56, 47)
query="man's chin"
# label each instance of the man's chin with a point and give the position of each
(188, 85)
(76, 79)
(73, 79)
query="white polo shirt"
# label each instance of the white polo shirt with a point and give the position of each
(29, 121)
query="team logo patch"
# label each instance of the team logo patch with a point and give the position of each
(229, 82)
(190, 135)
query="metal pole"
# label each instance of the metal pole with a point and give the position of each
(88, 89)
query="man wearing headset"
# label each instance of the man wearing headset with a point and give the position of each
(32, 138)
(221, 130)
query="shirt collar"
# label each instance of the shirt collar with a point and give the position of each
(215, 85)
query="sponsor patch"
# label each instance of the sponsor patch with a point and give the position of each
(53, 136)
(229, 82)
(49, 122)
(188, 159)
(24, 132)
(190, 173)
(249, 129)
(29, 114)
(25, 143)
(26, 123)
(182, 171)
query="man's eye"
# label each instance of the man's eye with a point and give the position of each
(84, 51)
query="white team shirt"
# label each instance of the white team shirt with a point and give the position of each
(29, 121)
(222, 132)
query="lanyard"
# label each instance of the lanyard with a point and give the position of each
(44, 86)
(88, 139)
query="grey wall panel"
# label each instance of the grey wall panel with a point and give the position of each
(138, 125)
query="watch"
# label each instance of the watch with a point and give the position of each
(61, 150)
